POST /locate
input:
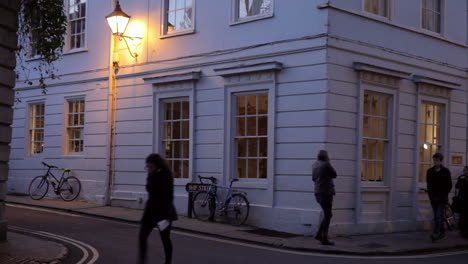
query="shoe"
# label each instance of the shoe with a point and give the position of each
(439, 237)
(318, 237)
(327, 242)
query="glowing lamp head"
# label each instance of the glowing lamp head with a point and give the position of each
(118, 20)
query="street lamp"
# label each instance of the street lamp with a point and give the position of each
(118, 21)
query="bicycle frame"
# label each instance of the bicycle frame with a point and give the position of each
(220, 203)
(49, 173)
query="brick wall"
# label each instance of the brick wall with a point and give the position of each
(8, 39)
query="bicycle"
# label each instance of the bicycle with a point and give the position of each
(234, 206)
(449, 220)
(68, 187)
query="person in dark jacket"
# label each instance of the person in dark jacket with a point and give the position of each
(323, 174)
(462, 189)
(159, 210)
(439, 184)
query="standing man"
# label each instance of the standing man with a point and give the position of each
(323, 174)
(439, 184)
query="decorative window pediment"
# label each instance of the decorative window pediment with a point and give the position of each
(249, 73)
(174, 81)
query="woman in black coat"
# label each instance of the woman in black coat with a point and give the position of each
(462, 188)
(159, 210)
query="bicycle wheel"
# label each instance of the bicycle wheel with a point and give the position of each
(70, 188)
(237, 209)
(38, 187)
(204, 205)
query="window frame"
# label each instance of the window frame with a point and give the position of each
(441, 22)
(162, 102)
(159, 96)
(29, 128)
(235, 20)
(388, 147)
(235, 137)
(164, 21)
(387, 13)
(68, 48)
(444, 103)
(67, 151)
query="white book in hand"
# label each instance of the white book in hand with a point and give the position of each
(163, 224)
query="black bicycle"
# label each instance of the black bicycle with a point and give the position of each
(68, 187)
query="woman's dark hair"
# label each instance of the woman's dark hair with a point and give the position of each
(158, 161)
(323, 155)
(438, 156)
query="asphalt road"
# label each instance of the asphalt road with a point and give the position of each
(116, 243)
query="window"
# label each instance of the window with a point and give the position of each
(36, 128)
(431, 15)
(34, 34)
(378, 7)
(179, 15)
(375, 138)
(76, 24)
(176, 135)
(251, 139)
(75, 125)
(430, 140)
(253, 8)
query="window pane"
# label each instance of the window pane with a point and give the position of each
(263, 168)
(185, 129)
(251, 126)
(167, 130)
(364, 170)
(176, 130)
(367, 99)
(252, 146)
(185, 110)
(365, 125)
(177, 168)
(176, 110)
(168, 111)
(262, 125)
(242, 147)
(379, 171)
(380, 150)
(185, 168)
(262, 104)
(251, 105)
(371, 170)
(364, 149)
(241, 168)
(185, 149)
(253, 7)
(241, 105)
(252, 168)
(241, 126)
(263, 147)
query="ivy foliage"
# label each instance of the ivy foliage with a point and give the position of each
(41, 34)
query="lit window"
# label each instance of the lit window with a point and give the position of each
(76, 23)
(431, 15)
(430, 140)
(75, 126)
(375, 138)
(179, 15)
(251, 138)
(176, 136)
(378, 7)
(36, 128)
(252, 8)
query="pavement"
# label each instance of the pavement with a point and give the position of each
(404, 243)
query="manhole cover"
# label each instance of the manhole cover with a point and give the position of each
(373, 245)
(270, 233)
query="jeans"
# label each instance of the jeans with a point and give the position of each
(326, 202)
(439, 218)
(463, 223)
(145, 230)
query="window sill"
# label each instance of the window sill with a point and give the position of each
(250, 19)
(72, 156)
(385, 19)
(250, 184)
(367, 187)
(73, 51)
(178, 33)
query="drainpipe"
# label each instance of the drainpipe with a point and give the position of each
(111, 109)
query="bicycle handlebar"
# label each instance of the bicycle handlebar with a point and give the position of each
(50, 166)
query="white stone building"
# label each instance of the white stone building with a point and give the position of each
(254, 93)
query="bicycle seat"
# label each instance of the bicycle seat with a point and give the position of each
(66, 169)
(50, 166)
(234, 180)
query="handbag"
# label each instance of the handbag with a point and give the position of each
(456, 203)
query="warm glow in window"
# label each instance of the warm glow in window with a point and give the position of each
(378, 7)
(75, 126)
(36, 128)
(375, 136)
(176, 136)
(251, 138)
(430, 140)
